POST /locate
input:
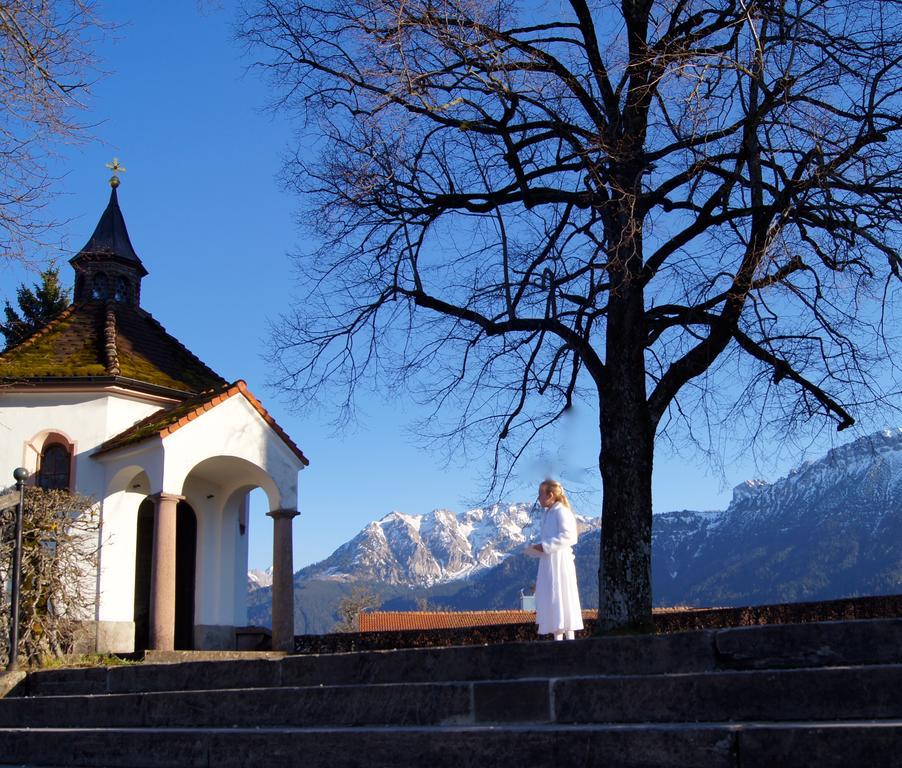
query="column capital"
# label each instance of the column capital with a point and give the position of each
(283, 514)
(163, 496)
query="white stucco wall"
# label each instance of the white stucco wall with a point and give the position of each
(213, 461)
(206, 500)
(86, 419)
(233, 429)
(239, 547)
(116, 584)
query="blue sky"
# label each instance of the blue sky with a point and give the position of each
(207, 217)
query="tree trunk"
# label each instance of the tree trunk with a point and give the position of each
(627, 445)
(624, 573)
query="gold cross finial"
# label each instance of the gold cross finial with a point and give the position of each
(115, 168)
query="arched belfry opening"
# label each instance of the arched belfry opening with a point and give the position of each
(185, 574)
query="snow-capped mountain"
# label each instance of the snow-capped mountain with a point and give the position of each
(861, 477)
(424, 550)
(256, 578)
(831, 528)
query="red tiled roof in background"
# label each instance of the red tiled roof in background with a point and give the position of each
(399, 621)
(168, 420)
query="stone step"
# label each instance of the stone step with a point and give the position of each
(877, 641)
(414, 704)
(818, 694)
(747, 745)
(829, 643)
(829, 693)
(803, 695)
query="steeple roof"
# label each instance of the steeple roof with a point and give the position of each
(110, 238)
(105, 337)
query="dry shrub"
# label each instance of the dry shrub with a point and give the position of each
(60, 537)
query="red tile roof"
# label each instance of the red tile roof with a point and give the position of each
(168, 420)
(399, 621)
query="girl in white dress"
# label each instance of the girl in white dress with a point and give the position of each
(557, 601)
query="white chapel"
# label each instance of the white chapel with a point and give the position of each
(104, 402)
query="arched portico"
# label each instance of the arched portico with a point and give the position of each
(218, 487)
(184, 635)
(211, 463)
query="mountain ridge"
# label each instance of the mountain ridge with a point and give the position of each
(433, 548)
(830, 528)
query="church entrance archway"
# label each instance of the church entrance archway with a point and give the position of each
(185, 574)
(143, 560)
(185, 560)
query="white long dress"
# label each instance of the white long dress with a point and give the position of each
(557, 598)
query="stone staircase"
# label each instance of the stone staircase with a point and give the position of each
(823, 694)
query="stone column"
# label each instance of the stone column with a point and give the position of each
(282, 580)
(162, 573)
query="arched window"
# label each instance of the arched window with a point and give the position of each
(123, 291)
(100, 286)
(56, 461)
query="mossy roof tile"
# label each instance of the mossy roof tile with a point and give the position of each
(97, 339)
(126, 344)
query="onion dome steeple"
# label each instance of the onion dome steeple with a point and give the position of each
(107, 267)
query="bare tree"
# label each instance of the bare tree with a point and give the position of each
(46, 50)
(58, 580)
(351, 606)
(666, 206)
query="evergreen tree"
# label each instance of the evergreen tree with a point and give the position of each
(37, 305)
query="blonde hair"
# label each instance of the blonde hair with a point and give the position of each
(556, 490)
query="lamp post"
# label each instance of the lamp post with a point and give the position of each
(21, 475)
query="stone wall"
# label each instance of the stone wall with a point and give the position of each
(666, 620)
